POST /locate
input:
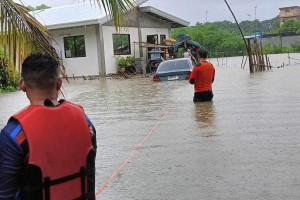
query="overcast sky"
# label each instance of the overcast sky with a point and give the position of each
(202, 10)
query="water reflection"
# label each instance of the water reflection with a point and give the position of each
(205, 116)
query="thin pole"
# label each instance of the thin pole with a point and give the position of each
(246, 45)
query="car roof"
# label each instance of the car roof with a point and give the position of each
(178, 64)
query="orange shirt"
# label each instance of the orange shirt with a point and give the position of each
(204, 76)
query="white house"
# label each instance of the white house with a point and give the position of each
(88, 42)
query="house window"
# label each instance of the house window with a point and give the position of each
(74, 46)
(162, 37)
(121, 44)
(152, 39)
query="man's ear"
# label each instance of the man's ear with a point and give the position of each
(58, 84)
(22, 85)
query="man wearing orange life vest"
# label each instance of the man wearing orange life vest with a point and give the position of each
(202, 77)
(47, 150)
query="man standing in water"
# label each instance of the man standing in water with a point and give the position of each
(47, 150)
(202, 77)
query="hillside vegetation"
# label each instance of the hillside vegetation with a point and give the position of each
(224, 38)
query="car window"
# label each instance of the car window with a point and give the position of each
(174, 65)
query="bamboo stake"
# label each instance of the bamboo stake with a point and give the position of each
(258, 56)
(266, 57)
(242, 61)
(253, 58)
(262, 55)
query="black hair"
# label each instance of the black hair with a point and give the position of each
(202, 53)
(40, 71)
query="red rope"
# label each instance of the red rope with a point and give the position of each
(135, 149)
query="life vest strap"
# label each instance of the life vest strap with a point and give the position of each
(47, 182)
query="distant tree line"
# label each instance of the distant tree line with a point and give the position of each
(224, 39)
(40, 7)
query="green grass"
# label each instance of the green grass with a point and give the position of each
(8, 89)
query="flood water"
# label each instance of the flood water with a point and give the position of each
(155, 143)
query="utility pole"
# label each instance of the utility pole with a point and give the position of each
(255, 20)
(206, 15)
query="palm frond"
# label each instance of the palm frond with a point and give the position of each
(116, 9)
(20, 30)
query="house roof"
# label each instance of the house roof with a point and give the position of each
(174, 21)
(89, 14)
(284, 8)
(70, 16)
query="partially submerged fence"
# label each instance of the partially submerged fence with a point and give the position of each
(258, 61)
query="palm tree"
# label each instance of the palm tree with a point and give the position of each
(21, 34)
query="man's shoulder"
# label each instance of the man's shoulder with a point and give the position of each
(65, 102)
(207, 63)
(11, 127)
(12, 132)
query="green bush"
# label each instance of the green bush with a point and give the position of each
(296, 47)
(272, 49)
(125, 62)
(8, 80)
(8, 89)
(268, 49)
(287, 50)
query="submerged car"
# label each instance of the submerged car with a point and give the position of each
(175, 69)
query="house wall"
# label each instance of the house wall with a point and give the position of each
(80, 66)
(289, 13)
(100, 58)
(152, 31)
(90, 65)
(149, 26)
(110, 58)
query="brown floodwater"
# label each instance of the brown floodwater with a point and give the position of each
(155, 143)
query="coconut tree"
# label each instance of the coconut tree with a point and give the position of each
(21, 34)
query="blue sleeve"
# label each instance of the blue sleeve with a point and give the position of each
(11, 161)
(92, 131)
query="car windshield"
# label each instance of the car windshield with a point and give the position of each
(178, 65)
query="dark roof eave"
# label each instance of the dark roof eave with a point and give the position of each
(172, 20)
(73, 24)
(283, 8)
